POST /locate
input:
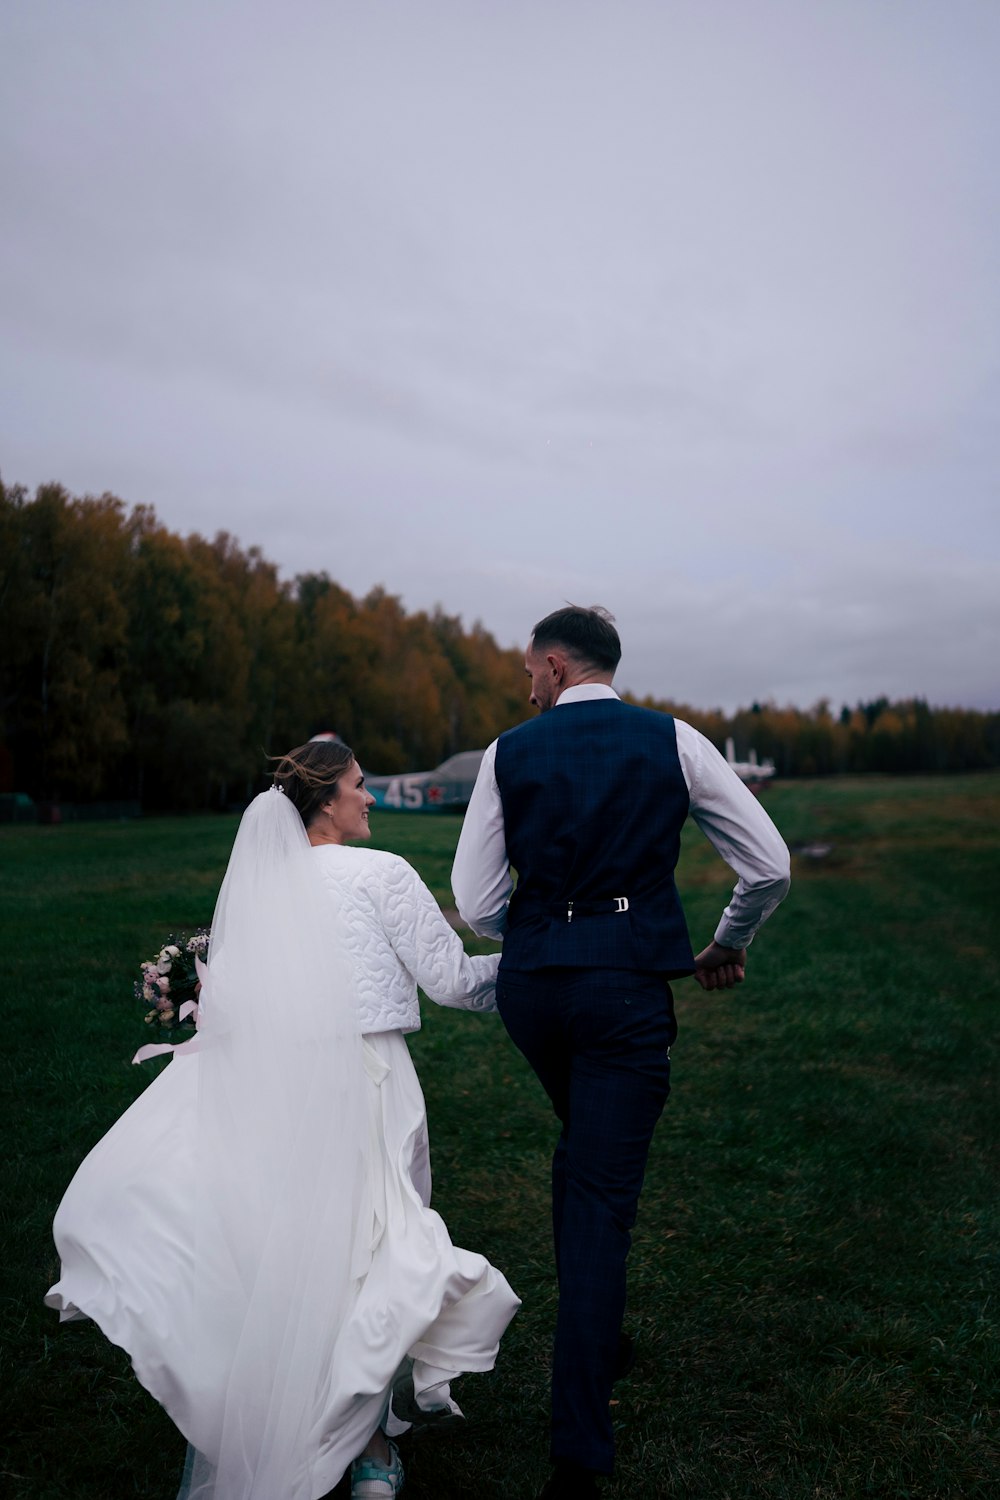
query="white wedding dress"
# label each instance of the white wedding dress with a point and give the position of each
(271, 1339)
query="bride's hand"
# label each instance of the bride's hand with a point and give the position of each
(718, 968)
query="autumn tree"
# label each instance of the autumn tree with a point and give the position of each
(65, 624)
(138, 663)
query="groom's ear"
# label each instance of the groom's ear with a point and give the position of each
(557, 662)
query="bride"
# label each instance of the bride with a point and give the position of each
(255, 1229)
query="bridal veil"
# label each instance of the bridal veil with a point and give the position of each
(281, 1228)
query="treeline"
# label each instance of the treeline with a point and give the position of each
(140, 664)
(901, 737)
(137, 664)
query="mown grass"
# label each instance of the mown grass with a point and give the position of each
(814, 1272)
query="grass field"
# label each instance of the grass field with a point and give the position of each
(814, 1275)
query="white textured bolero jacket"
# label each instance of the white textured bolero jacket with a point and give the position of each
(396, 938)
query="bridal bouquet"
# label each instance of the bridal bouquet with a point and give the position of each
(169, 984)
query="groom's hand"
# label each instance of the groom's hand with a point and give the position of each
(717, 968)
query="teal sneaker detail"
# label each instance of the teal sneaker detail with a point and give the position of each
(373, 1481)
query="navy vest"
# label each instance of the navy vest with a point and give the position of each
(593, 802)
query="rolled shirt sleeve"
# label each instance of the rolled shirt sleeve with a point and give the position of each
(740, 831)
(480, 877)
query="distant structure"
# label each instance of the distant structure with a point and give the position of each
(753, 772)
(447, 788)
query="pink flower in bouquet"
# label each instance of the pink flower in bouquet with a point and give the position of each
(170, 983)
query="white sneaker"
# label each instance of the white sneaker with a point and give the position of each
(371, 1480)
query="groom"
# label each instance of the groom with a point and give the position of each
(587, 804)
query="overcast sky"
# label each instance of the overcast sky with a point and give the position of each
(689, 307)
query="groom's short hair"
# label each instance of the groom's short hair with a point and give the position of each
(589, 635)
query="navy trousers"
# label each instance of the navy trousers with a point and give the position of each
(599, 1041)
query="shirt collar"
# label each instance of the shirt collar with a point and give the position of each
(584, 692)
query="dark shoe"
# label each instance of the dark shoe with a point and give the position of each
(421, 1419)
(569, 1481)
(625, 1358)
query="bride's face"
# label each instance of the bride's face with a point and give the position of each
(345, 816)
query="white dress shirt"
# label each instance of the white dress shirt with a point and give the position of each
(727, 813)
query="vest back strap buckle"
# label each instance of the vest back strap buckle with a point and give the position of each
(615, 905)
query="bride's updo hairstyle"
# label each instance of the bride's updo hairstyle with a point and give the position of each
(309, 775)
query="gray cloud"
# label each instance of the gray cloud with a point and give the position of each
(692, 310)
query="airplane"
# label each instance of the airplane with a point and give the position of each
(751, 771)
(448, 786)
